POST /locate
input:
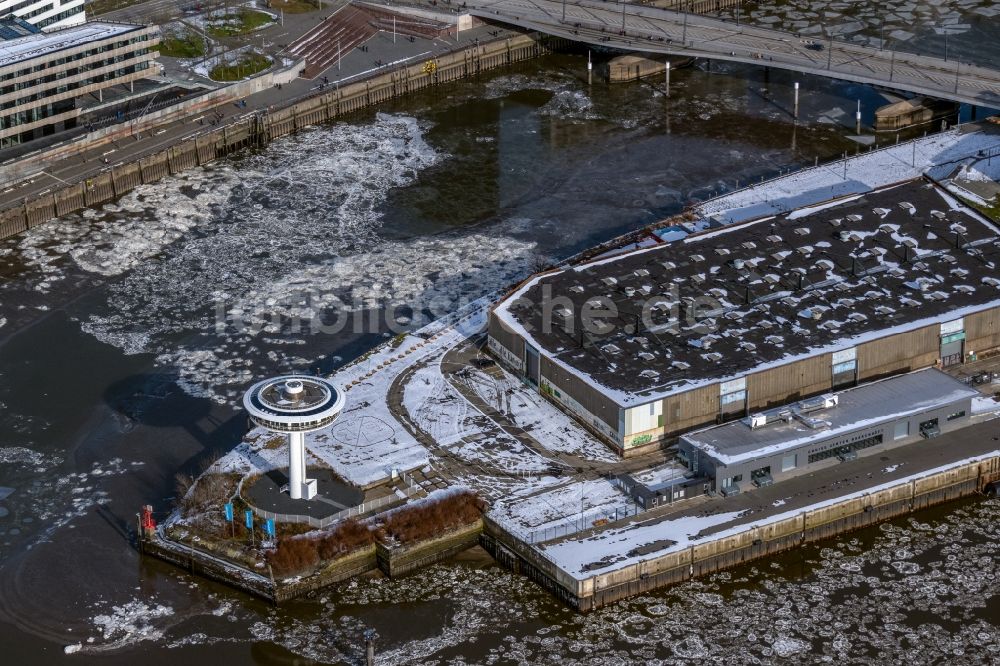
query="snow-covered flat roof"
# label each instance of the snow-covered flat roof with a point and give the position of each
(34, 46)
(862, 407)
(767, 293)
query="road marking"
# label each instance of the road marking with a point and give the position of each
(50, 175)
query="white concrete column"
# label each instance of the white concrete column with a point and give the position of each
(296, 464)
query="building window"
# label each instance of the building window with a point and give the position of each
(901, 430)
(731, 480)
(956, 415)
(789, 462)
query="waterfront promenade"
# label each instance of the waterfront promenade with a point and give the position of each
(384, 54)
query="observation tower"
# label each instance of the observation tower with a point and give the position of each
(295, 405)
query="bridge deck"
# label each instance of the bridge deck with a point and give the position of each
(632, 27)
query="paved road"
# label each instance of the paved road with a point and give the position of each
(648, 29)
(355, 66)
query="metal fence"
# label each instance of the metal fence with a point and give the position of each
(411, 488)
(581, 523)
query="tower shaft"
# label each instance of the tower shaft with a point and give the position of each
(296, 463)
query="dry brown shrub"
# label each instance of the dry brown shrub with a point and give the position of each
(182, 484)
(209, 491)
(301, 554)
(293, 556)
(425, 520)
(349, 536)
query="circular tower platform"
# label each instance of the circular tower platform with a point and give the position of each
(294, 403)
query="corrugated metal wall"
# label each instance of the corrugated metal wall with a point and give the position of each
(982, 331)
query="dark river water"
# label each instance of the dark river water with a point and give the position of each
(121, 362)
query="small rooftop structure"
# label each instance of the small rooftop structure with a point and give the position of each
(788, 439)
(12, 27)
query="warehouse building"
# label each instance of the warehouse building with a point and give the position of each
(44, 77)
(770, 446)
(646, 345)
(45, 14)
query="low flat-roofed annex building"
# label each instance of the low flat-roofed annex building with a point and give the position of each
(46, 14)
(42, 75)
(751, 316)
(768, 447)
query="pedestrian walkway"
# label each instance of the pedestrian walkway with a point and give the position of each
(325, 44)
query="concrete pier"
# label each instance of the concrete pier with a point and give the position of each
(756, 538)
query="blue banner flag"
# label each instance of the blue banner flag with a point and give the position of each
(269, 526)
(249, 517)
(229, 511)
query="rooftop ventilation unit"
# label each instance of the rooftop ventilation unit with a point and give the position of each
(826, 401)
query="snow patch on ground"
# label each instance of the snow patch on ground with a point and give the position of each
(547, 424)
(564, 510)
(367, 442)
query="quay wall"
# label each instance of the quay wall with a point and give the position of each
(754, 542)
(259, 129)
(393, 562)
(358, 563)
(26, 166)
(213, 568)
(398, 561)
